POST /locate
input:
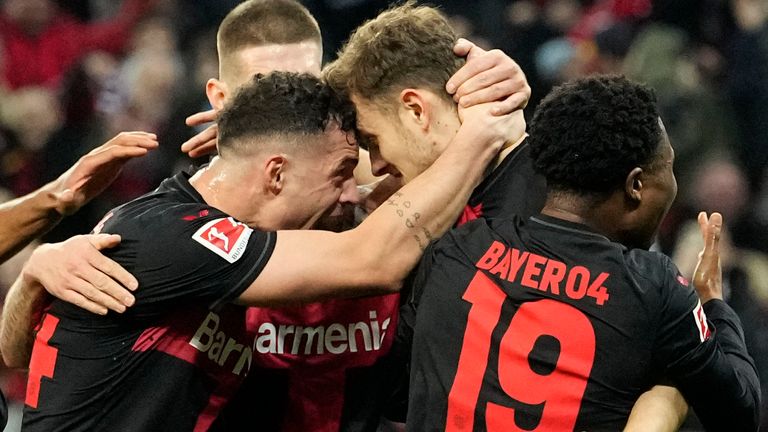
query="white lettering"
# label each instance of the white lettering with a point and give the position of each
(282, 332)
(336, 333)
(247, 355)
(208, 329)
(364, 330)
(311, 333)
(335, 338)
(266, 343)
(218, 345)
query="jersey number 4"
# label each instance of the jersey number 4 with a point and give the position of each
(560, 391)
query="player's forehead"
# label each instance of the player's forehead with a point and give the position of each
(341, 146)
(302, 57)
(371, 119)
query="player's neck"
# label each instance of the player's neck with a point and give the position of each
(595, 214)
(222, 186)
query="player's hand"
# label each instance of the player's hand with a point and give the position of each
(488, 76)
(76, 272)
(509, 128)
(203, 143)
(708, 276)
(95, 171)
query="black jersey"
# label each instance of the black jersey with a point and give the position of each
(513, 187)
(171, 361)
(545, 325)
(295, 387)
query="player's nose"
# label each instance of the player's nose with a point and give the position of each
(349, 193)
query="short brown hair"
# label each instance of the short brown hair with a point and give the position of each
(404, 46)
(266, 22)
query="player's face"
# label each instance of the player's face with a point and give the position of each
(321, 185)
(659, 191)
(394, 149)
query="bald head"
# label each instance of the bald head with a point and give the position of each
(259, 36)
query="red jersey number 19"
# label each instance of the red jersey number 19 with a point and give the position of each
(560, 391)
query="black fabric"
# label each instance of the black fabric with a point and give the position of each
(513, 187)
(646, 320)
(169, 361)
(382, 388)
(3, 411)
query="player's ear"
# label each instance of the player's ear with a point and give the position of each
(633, 186)
(217, 93)
(414, 109)
(274, 173)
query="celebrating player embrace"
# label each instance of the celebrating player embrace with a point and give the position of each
(561, 320)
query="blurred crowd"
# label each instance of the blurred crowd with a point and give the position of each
(74, 73)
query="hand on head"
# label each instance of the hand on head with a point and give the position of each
(488, 76)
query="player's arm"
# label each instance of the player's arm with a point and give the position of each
(660, 409)
(74, 271)
(21, 313)
(34, 214)
(379, 253)
(713, 370)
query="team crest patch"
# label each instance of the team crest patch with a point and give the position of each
(225, 237)
(701, 321)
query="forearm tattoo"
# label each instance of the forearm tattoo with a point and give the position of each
(411, 218)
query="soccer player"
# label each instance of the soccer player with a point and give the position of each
(32, 215)
(405, 120)
(172, 360)
(297, 384)
(395, 67)
(561, 320)
(259, 36)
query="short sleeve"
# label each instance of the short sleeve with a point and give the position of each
(189, 255)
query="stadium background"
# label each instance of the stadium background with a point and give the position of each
(707, 59)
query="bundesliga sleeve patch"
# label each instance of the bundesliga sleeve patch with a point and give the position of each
(225, 237)
(701, 322)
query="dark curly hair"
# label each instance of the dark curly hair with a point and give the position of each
(588, 134)
(282, 103)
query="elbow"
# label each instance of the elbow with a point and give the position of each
(12, 358)
(746, 417)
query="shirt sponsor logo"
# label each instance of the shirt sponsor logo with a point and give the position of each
(225, 237)
(208, 339)
(335, 338)
(701, 322)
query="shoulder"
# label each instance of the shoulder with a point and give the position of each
(165, 209)
(654, 270)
